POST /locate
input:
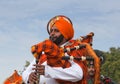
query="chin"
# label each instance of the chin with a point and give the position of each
(91, 74)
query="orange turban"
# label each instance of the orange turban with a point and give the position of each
(63, 24)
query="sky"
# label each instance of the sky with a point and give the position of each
(23, 24)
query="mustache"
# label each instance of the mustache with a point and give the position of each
(56, 40)
(92, 71)
(52, 38)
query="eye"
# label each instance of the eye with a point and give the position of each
(51, 30)
(56, 30)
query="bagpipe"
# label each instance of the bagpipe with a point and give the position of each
(56, 55)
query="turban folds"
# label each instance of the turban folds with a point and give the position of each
(63, 24)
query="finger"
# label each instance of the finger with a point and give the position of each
(40, 67)
(38, 71)
(36, 65)
(41, 72)
(33, 77)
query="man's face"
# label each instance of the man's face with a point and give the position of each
(91, 70)
(55, 35)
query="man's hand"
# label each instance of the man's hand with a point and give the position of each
(39, 69)
(32, 78)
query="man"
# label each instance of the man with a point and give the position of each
(61, 30)
(107, 80)
(91, 72)
(91, 68)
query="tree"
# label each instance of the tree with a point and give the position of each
(111, 67)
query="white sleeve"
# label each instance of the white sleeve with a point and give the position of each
(27, 72)
(73, 73)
